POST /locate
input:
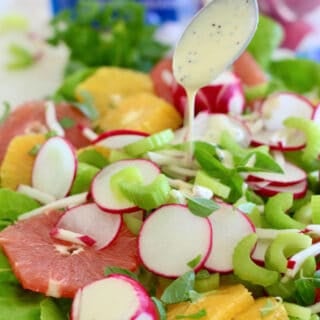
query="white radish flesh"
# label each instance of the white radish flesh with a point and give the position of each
(55, 167)
(73, 237)
(171, 237)
(279, 106)
(119, 138)
(88, 219)
(104, 195)
(291, 175)
(115, 297)
(229, 226)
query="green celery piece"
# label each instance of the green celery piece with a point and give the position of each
(210, 283)
(298, 75)
(49, 310)
(297, 312)
(126, 176)
(155, 141)
(16, 303)
(149, 196)
(84, 176)
(246, 269)
(133, 223)
(315, 208)
(178, 290)
(275, 212)
(12, 204)
(219, 189)
(93, 157)
(259, 91)
(312, 132)
(284, 246)
(267, 38)
(285, 290)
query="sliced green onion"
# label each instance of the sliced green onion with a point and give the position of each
(315, 209)
(284, 246)
(219, 189)
(246, 269)
(275, 212)
(127, 175)
(147, 196)
(312, 132)
(153, 142)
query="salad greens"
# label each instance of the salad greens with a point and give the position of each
(285, 73)
(116, 34)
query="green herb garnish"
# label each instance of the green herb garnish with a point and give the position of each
(67, 122)
(201, 313)
(202, 207)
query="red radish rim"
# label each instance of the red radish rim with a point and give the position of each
(203, 259)
(90, 204)
(129, 209)
(276, 147)
(270, 191)
(277, 182)
(250, 223)
(119, 132)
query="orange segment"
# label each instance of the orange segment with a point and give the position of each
(18, 162)
(276, 312)
(109, 85)
(222, 304)
(143, 112)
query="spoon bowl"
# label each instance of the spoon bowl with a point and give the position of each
(213, 40)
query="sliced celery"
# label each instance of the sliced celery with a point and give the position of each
(153, 142)
(147, 196)
(133, 223)
(275, 212)
(312, 132)
(127, 175)
(284, 246)
(219, 189)
(206, 284)
(246, 269)
(116, 155)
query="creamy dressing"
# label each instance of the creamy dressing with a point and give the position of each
(213, 40)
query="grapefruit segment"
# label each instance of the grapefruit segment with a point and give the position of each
(30, 118)
(57, 268)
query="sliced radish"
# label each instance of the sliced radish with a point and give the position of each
(291, 175)
(229, 226)
(104, 194)
(298, 190)
(171, 237)
(284, 139)
(88, 219)
(316, 114)
(55, 167)
(115, 297)
(210, 127)
(73, 237)
(279, 106)
(116, 139)
(260, 250)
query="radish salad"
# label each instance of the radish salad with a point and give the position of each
(129, 224)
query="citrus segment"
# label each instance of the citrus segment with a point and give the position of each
(109, 85)
(18, 161)
(30, 118)
(222, 304)
(57, 268)
(142, 112)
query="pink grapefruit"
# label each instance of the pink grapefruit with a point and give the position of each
(56, 268)
(30, 118)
